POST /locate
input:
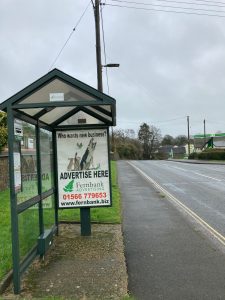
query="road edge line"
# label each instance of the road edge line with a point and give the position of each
(198, 219)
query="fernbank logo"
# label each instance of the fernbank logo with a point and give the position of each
(69, 187)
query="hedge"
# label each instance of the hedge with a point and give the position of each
(209, 154)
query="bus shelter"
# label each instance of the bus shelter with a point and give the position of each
(57, 127)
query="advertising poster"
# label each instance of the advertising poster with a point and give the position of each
(17, 171)
(83, 168)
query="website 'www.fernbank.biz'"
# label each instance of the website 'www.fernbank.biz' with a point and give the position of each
(85, 202)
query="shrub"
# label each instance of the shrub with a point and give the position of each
(3, 137)
(3, 130)
(160, 155)
(193, 155)
(209, 154)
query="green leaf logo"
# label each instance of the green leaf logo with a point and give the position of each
(69, 186)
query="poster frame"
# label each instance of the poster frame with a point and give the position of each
(86, 128)
(17, 153)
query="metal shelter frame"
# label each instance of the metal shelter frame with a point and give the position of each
(53, 102)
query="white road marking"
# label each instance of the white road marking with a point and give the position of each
(185, 170)
(179, 168)
(192, 214)
(207, 176)
(175, 188)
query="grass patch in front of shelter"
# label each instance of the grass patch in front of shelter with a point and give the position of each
(5, 234)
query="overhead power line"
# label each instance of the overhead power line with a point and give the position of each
(173, 1)
(210, 1)
(69, 37)
(155, 122)
(170, 120)
(180, 7)
(169, 11)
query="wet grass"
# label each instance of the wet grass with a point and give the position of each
(5, 234)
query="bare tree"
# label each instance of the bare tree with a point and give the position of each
(126, 146)
(150, 138)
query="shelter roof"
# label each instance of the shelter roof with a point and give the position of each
(58, 100)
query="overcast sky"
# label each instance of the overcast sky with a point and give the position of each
(171, 65)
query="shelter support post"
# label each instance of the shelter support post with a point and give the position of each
(13, 200)
(85, 221)
(39, 176)
(55, 171)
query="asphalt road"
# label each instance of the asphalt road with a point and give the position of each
(200, 187)
(167, 256)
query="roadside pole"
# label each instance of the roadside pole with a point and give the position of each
(204, 133)
(188, 128)
(85, 213)
(98, 46)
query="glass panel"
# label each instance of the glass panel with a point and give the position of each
(5, 234)
(99, 113)
(28, 229)
(32, 111)
(81, 118)
(106, 107)
(49, 212)
(57, 90)
(54, 114)
(28, 163)
(46, 160)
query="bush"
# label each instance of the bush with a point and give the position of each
(209, 154)
(3, 130)
(160, 155)
(3, 137)
(128, 151)
(193, 155)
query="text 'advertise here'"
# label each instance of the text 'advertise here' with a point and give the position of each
(83, 168)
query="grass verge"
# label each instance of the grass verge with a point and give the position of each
(5, 234)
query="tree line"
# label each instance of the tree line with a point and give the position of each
(126, 145)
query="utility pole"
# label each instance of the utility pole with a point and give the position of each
(85, 212)
(188, 129)
(96, 7)
(98, 45)
(204, 133)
